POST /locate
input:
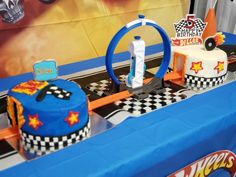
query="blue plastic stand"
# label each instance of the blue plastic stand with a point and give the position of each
(123, 31)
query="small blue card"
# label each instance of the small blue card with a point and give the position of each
(45, 70)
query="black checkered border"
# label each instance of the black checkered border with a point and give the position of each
(153, 102)
(43, 145)
(38, 151)
(200, 83)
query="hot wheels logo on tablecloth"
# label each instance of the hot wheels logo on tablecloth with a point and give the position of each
(207, 165)
(188, 31)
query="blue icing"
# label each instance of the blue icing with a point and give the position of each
(52, 111)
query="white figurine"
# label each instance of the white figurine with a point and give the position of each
(137, 67)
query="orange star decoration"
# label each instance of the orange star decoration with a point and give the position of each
(219, 67)
(196, 67)
(34, 122)
(73, 118)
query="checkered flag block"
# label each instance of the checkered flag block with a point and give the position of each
(180, 25)
(200, 24)
(43, 145)
(58, 92)
(201, 83)
(102, 86)
(153, 102)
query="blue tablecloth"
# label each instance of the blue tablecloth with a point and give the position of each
(155, 144)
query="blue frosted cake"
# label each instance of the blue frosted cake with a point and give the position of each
(50, 114)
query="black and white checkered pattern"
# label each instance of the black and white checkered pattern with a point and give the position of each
(135, 106)
(153, 102)
(43, 145)
(179, 26)
(102, 86)
(58, 92)
(99, 87)
(200, 24)
(38, 151)
(201, 83)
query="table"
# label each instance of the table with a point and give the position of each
(155, 144)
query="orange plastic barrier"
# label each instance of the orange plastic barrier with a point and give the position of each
(9, 133)
(179, 68)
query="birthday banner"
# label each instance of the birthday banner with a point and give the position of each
(74, 30)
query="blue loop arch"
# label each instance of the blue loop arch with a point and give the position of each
(123, 31)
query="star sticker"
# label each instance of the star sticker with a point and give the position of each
(73, 118)
(196, 67)
(219, 67)
(34, 122)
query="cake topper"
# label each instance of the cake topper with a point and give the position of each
(188, 31)
(45, 70)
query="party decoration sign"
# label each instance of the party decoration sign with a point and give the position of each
(45, 70)
(188, 31)
(207, 165)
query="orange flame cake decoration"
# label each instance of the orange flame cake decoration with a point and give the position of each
(219, 38)
(30, 87)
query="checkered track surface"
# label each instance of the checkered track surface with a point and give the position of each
(102, 86)
(153, 102)
(138, 107)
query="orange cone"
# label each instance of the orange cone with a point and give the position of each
(211, 28)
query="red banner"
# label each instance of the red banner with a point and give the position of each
(186, 41)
